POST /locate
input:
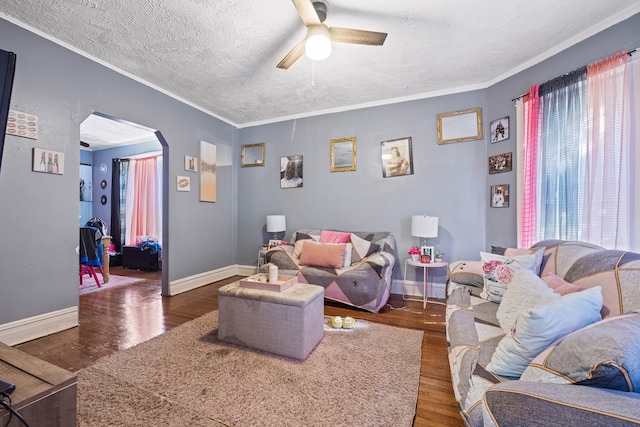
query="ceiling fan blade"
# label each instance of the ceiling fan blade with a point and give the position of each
(84, 144)
(349, 35)
(307, 12)
(293, 55)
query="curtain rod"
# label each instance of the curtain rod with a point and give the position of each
(630, 53)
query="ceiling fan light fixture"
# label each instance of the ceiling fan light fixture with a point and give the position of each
(318, 44)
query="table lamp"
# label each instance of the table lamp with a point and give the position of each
(424, 226)
(276, 224)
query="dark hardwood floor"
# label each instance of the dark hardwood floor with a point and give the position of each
(119, 318)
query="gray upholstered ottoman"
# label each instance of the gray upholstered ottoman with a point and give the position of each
(289, 323)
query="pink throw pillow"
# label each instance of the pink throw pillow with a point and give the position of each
(322, 254)
(334, 237)
(559, 285)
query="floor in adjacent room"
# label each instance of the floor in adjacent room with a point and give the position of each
(119, 318)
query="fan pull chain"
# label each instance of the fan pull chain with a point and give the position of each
(313, 74)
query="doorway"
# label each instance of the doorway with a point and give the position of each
(104, 138)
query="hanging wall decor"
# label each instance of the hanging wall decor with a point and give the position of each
(291, 172)
(499, 130)
(343, 154)
(47, 161)
(500, 163)
(397, 157)
(499, 196)
(208, 165)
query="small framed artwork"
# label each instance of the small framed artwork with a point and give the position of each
(208, 172)
(183, 183)
(397, 157)
(427, 250)
(500, 196)
(274, 242)
(48, 161)
(500, 163)
(460, 126)
(343, 154)
(499, 129)
(291, 172)
(191, 164)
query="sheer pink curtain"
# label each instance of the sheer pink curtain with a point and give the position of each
(605, 217)
(532, 118)
(145, 206)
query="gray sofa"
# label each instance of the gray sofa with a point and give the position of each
(365, 282)
(548, 397)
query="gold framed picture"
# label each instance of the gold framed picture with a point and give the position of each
(343, 154)
(459, 126)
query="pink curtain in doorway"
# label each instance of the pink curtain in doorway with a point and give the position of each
(145, 209)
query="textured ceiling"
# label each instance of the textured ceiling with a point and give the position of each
(221, 56)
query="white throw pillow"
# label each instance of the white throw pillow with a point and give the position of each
(525, 291)
(538, 327)
(498, 271)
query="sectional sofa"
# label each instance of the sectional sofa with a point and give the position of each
(354, 268)
(536, 352)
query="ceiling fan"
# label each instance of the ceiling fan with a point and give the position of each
(317, 43)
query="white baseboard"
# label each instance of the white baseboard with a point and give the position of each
(414, 288)
(197, 280)
(28, 329)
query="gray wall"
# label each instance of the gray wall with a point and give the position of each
(448, 180)
(39, 212)
(501, 223)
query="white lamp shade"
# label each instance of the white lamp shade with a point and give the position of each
(424, 226)
(276, 223)
(318, 44)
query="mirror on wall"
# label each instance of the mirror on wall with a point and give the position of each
(253, 154)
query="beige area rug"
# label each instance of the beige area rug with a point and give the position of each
(366, 376)
(89, 284)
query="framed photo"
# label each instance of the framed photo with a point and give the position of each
(191, 164)
(499, 129)
(273, 243)
(208, 174)
(397, 157)
(183, 183)
(500, 196)
(343, 154)
(500, 163)
(427, 250)
(291, 172)
(48, 161)
(459, 126)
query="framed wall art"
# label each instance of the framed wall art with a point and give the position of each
(208, 177)
(499, 130)
(191, 164)
(459, 126)
(500, 163)
(291, 172)
(397, 157)
(183, 183)
(499, 196)
(343, 154)
(48, 161)
(252, 155)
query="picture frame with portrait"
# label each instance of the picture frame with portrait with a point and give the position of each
(499, 196)
(397, 157)
(499, 130)
(291, 172)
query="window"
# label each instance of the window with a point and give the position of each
(576, 157)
